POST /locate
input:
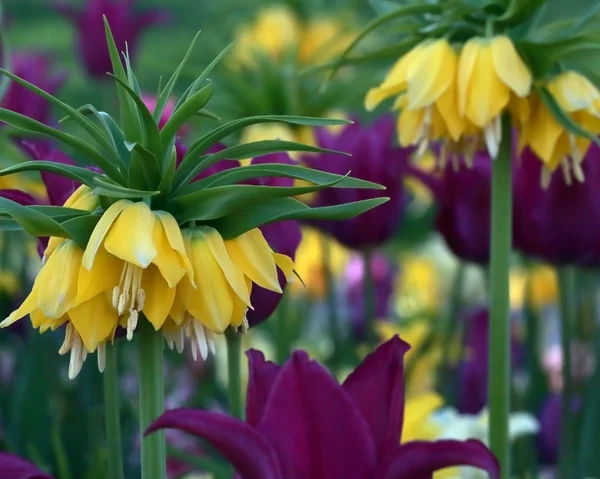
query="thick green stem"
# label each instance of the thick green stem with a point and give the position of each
(568, 312)
(112, 414)
(234, 356)
(151, 400)
(332, 311)
(499, 331)
(370, 291)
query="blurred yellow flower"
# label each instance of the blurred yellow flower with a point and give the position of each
(323, 39)
(9, 282)
(418, 288)
(536, 286)
(309, 262)
(421, 193)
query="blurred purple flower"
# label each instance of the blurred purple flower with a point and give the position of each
(37, 69)
(301, 424)
(126, 26)
(549, 436)
(383, 274)
(473, 371)
(560, 224)
(374, 158)
(14, 467)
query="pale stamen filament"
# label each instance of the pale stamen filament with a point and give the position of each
(566, 169)
(202, 340)
(78, 355)
(101, 356)
(129, 295)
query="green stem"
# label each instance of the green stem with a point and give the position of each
(370, 292)
(568, 305)
(234, 356)
(499, 331)
(151, 400)
(281, 327)
(332, 311)
(111, 414)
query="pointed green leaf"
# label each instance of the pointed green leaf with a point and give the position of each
(151, 133)
(32, 221)
(130, 120)
(112, 190)
(277, 170)
(207, 114)
(25, 123)
(192, 105)
(144, 169)
(255, 215)
(77, 173)
(163, 97)
(212, 203)
(80, 229)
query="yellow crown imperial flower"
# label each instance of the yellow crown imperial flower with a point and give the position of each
(548, 139)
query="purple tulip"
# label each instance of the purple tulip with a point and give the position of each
(284, 237)
(126, 26)
(383, 273)
(14, 467)
(549, 437)
(473, 371)
(301, 424)
(560, 224)
(37, 69)
(374, 158)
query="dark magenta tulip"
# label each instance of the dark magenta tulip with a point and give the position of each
(374, 158)
(127, 27)
(302, 424)
(14, 467)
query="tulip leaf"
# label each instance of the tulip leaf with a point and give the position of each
(203, 144)
(130, 120)
(82, 175)
(165, 94)
(32, 221)
(151, 133)
(240, 152)
(193, 104)
(25, 123)
(113, 190)
(207, 114)
(212, 203)
(80, 229)
(144, 167)
(118, 137)
(563, 118)
(255, 215)
(277, 170)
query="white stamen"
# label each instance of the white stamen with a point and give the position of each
(492, 134)
(169, 340)
(200, 339)
(78, 354)
(179, 340)
(194, 351)
(101, 357)
(211, 342)
(245, 324)
(129, 295)
(115, 297)
(132, 322)
(141, 299)
(68, 342)
(566, 169)
(546, 176)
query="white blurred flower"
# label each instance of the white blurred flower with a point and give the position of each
(465, 426)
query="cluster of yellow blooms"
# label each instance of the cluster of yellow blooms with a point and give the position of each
(459, 97)
(187, 283)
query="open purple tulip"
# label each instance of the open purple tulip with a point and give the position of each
(302, 424)
(560, 224)
(126, 26)
(39, 70)
(374, 158)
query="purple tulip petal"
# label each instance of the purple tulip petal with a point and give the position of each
(246, 449)
(314, 425)
(15, 467)
(419, 460)
(19, 196)
(377, 387)
(262, 376)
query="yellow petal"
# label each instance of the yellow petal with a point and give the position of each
(103, 276)
(94, 320)
(58, 280)
(419, 410)
(254, 256)
(169, 261)
(234, 275)
(27, 307)
(177, 312)
(159, 297)
(543, 134)
(97, 236)
(239, 307)
(510, 67)
(131, 235)
(285, 264)
(83, 199)
(487, 95)
(573, 91)
(173, 232)
(211, 303)
(53, 242)
(378, 94)
(447, 106)
(430, 74)
(466, 64)
(409, 126)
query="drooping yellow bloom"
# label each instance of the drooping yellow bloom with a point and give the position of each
(489, 72)
(554, 145)
(224, 272)
(418, 288)
(322, 40)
